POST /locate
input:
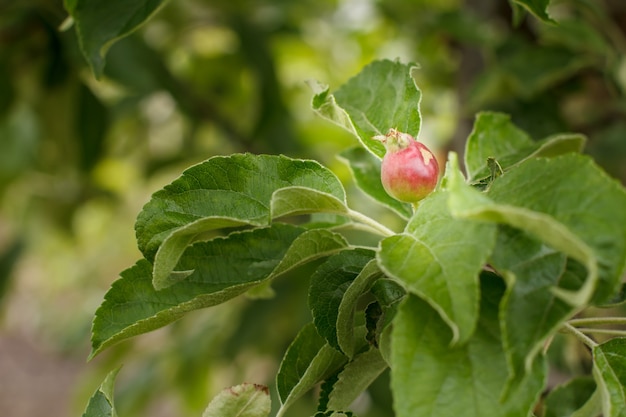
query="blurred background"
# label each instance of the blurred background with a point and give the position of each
(79, 157)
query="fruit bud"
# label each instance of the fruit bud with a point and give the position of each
(409, 171)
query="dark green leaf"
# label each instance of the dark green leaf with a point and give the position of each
(222, 269)
(565, 399)
(230, 191)
(439, 258)
(431, 378)
(365, 169)
(99, 23)
(329, 284)
(382, 96)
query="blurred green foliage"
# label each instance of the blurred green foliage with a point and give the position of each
(80, 156)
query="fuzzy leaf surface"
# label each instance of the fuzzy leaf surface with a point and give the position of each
(495, 136)
(222, 269)
(245, 400)
(355, 377)
(99, 23)
(461, 380)
(308, 361)
(439, 258)
(227, 191)
(609, 361)
(382, 96)
(557, 252)
(329, 285)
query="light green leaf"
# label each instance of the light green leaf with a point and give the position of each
(245, 400)
(549, 202)
(99, 23)
(101, 403)
(537, 8)
(382, 96)
(355, 377)
(431, 378)
(308, 361)
(585, 202)
(222, 269)
(495, 136)
(609, 369)
(551, 199)
(329, 283)
(365, 169)
(530, 311)
(301, 200)
(439, 258)
(347, 307)
(228, 191)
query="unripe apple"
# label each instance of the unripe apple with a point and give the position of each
(409, 171)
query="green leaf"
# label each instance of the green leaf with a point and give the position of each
(495, 136)
(549, 201)
(308, 361)
(365, 169)
(348, 305)
(587, 204)
(292, 201)
(431, 378)
(537, 8)
(222, 269)
(609, 368)
(379, 314)
(530, 311)
(382, 96)
(552, 200)
(355, 377)
(245, 400)
(565, 399)
(101, 403)
(439, 258)
(328, 286)
(230, 191)
(99, 23)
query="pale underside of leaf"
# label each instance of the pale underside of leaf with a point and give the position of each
(245, 400)
(439, 258)
(308, 361)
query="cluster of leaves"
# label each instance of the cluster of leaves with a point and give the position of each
(459, 305)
